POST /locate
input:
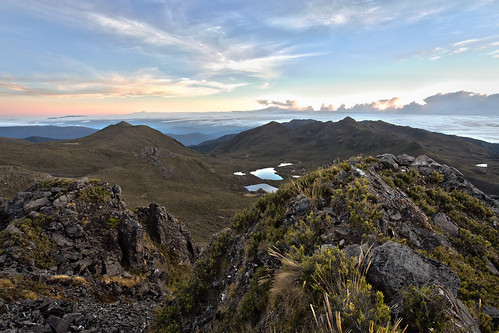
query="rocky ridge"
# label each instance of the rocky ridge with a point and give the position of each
(74, 259)
(365, 241)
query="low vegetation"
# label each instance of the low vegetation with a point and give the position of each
(26, 236)
(308, 284)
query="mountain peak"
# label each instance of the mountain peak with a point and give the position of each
(348, 120)
(122, 124)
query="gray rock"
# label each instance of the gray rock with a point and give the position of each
(444, 222)
(169, 232)
(395, 267)
(33, 205)
(388, 161)
(112, 267)
(461, 317)
(60, 240)
(493, 312)
(422, 161)
(301, 206)
(492, 268)
(353, 250)
(130, 236)
(405, 160)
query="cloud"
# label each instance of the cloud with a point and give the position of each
(265, 85)
(287, 105)
(466, 42)
(263, 67)
(329, 107)
(456, 103)
(367, 14)
(215, 45)
(384, 104)
(462, 102)
(144, 33)
(147, 82)
(468, 45)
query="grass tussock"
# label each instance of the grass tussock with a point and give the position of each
(68, 280)
(124, 281)
(14, 288)
(326, 292)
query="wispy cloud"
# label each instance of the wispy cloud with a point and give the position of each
(339, 13)
(148, 82)
(468, 45)
(466, 42)
(263, 67)
(196, 45)
(144, 33)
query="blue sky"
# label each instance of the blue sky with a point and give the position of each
(96, 57)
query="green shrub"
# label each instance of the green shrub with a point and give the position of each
(113, 223)
(424, 310)
(95, 194)
(254, 301)
(197, 289)
(405, 179)
(55, 182)
(436, 177)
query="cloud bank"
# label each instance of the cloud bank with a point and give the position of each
(456, 103)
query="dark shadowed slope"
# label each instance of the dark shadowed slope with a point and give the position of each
(319, 143)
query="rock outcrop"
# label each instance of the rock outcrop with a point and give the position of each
(356, 237)
(395, 267)
(76, 241)
(165, 229)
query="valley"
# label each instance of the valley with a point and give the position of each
(201, 188)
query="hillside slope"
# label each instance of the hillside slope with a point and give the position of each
(367, 245)
(150, 167)
(318, 143)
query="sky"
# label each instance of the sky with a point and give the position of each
(65, 57)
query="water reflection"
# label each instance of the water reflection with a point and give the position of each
(266, 173)
(265, 187)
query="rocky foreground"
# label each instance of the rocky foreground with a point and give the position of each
(74, 259)
(365, 245)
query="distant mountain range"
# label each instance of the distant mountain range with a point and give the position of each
(51, 133)
(202, 189)
(47, 132)
(317, 143)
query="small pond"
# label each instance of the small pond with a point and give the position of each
(266, 173)
(284, 164)
(265, 187)
(239, 173)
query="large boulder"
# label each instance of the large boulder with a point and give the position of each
(394, 267)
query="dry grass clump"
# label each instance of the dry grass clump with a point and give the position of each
(124, 281)
(18, 287)
(66, 279)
